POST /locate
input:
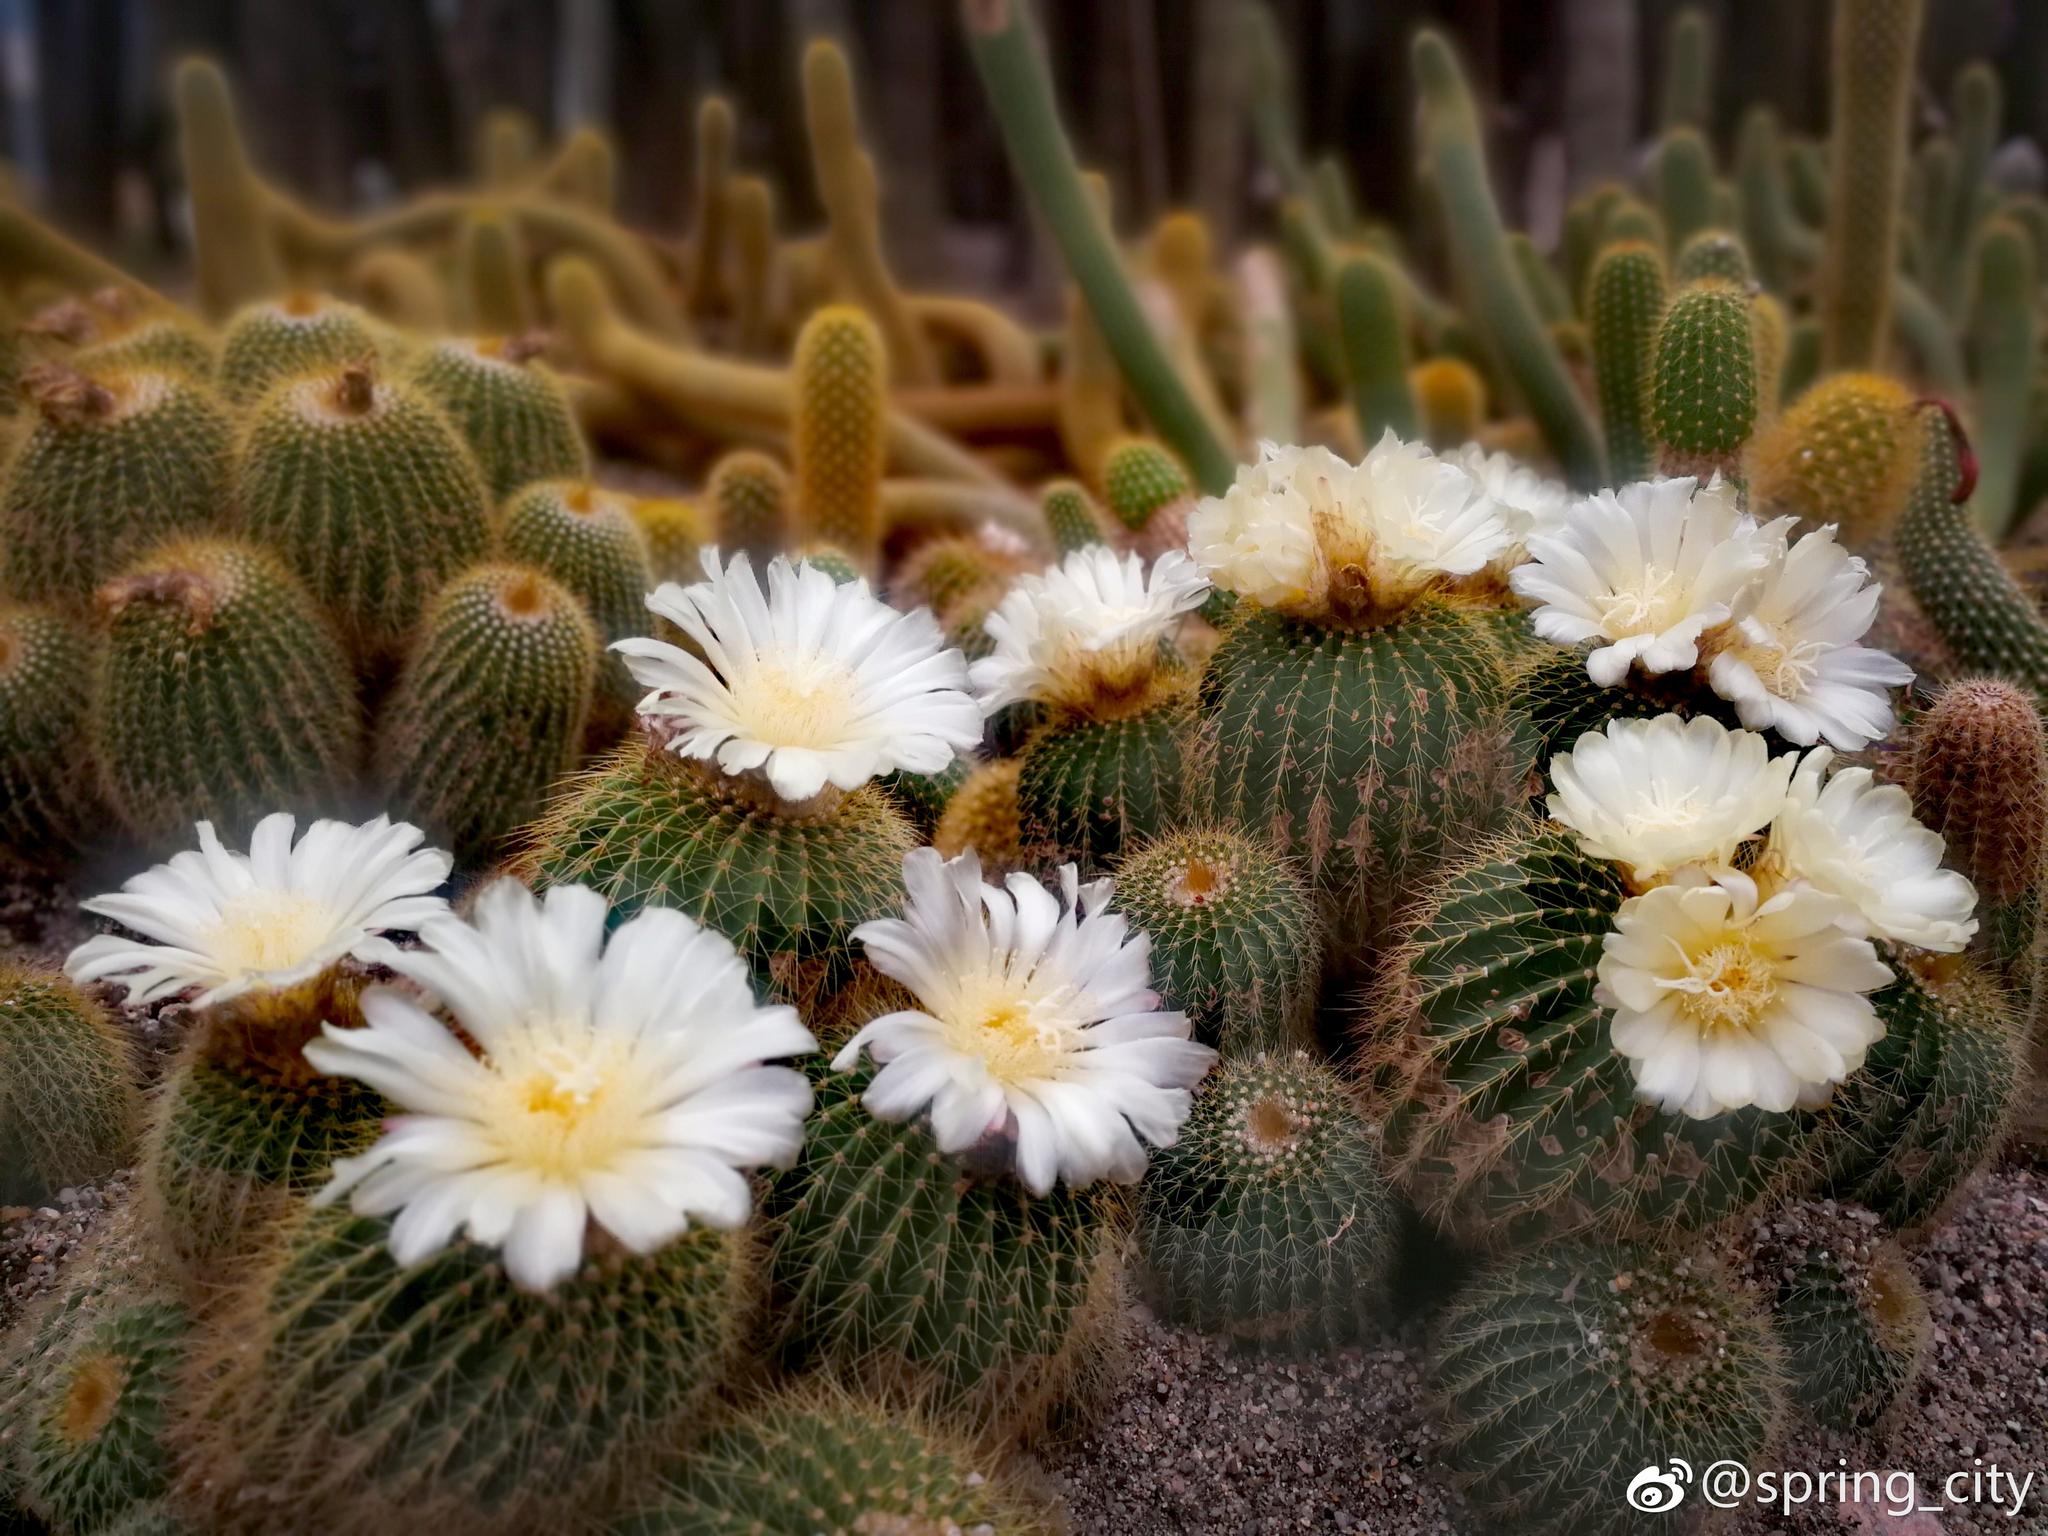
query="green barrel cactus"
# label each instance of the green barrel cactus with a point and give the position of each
(785, 884)
(223, 694)
(1563, 1374)
(512, 412)
(442, 1396)
(364, 488)
(47, 666)
(490, 709)
(168, 343)
(1270, 1218)
(1845, 1305)
(1094, 787)
(1235, 941)
(587, 538)
(748, 494)
(1625, 308)
(1517, 1115)
(1070, 512)
(813, 1461)
(69, 1103)
(1139, 477)
(279, 339)
(114, 463)
(890, 1260)
(1703, 384)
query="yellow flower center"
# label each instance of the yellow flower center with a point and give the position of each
(1727, 986)
(1785, 667)
(1657, 602)
(561, 1111)
(1019, 1038)
(802, 703)
(269, 931)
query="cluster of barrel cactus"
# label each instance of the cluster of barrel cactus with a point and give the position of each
(1262, 662)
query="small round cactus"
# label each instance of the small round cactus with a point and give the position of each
(223, 694)
(1270, 1217)
(1139, 478)
(69, 1106)
(1713, 255)
(47, 667)
(173, 344)
(363, 487)
(1563, 1373)
(512, 412)
(1095, 787)
(1451, 397)
(1071, 514)
(815, 1461)
(1235, 941)
(675, 530)
(1845, 453)
(279, 339)
(586, 538)
(1845, 1304)
(489, 712)
(1979, 777)
(116, 461)
(748, 494)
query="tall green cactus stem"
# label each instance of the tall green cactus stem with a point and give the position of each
(1270, 1217)
(1546, 288)
(69, 1108)
(1562, 1373)
(366, 490)
(1270, 100)
(890, 1259)
(441, 1396)
(47, 665)
(1687, 97)
(114, 463)
(1493, 289)
(1011, 61)
(495, 297)
(1986, 618)
(2006, 344)
(786, 884)
(813, 1460)
(1703, 392)
(1978, 104)
(586, 538)
(1845, 453)
(1685, 186)
(223, 694)
(233, 245)
(1096, 786)
(749, 496)
(1235, 941)
(99, 1411)
(704, 293)
(1370, 754)
(837, 443)
(1625, 304)
(1375, 336)
(1932, 343)
(1519, 1118)
(1271, 370)
(266, 343)
(490, 711)
(1781, 245)
(514, 414)
(1845, 1305)
(1072, 516)
(1632, 220)
(1871, 76)
(1933, 1100)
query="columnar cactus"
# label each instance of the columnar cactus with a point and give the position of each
(512, 412)
(838, 433)
(69, 1105)
(1704, 390)
(1071, 514)
(1626, 307)
(675, 530)
(47, 668)
(1451, 397)
(749, 498)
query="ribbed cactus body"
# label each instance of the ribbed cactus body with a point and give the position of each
(115, 463)
(1625, 308)
(441, 1396)
(1235, 941)
(748, 493)
(1703, 389)
(810, 1461)
(1844, 453)
(1139, 478)
(1871, 80)
(648, 830)
(489, 712)
(983, 816)
(366, 490)
(1270, 1218)
(586, 538)
(1072, 516)
(889, 1258)
(1094, 787)
(1931, 1102)
(69, 1108)
(94, 1442)
(1519, 1117)
(223, 694)
(1369, 754)
(174, 345)
(1564, 1373)
(923, 796)
(513, 413)
(269, 342)
(1844, 1303)
(838, 437)
(1564, 703)
(230, 1143)
(1987, 620)
(47, 665)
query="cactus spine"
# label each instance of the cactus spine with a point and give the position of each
(69, 1106)
(47, 667)
(270, 342)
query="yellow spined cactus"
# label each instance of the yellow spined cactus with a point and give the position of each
(983, 816)
(1452, 399)
(675, 528)
(838, 437)
(1844, 453)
